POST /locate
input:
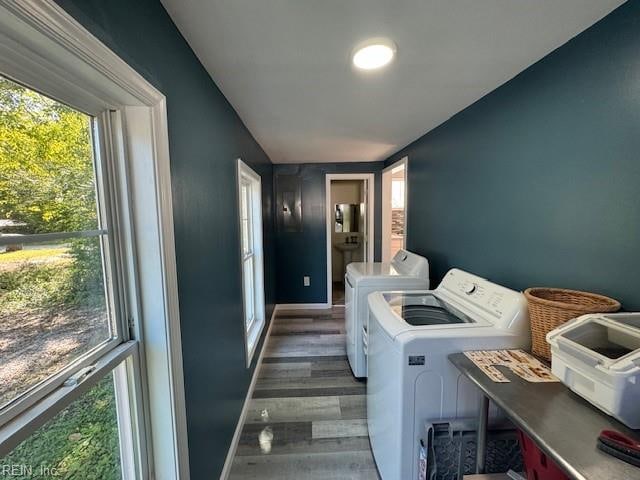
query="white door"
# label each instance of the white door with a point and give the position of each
(364, 220)
(394, 209)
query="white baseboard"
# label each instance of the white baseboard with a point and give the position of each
(245, 408)
(303, 306)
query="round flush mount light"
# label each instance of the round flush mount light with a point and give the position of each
(374, 54)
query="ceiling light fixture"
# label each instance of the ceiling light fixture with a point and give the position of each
(374, 54)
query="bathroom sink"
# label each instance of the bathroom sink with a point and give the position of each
(347, 250)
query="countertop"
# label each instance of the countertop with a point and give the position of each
(564, 425)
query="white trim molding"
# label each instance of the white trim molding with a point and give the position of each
(228, 463)
(46, 49)
(41, 35)
(371, 183)
(302, 306)
(245, 174)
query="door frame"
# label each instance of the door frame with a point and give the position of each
(370, 178)
(386, 206)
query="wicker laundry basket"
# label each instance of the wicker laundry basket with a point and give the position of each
(551, 307)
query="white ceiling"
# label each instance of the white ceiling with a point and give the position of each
(285, 64)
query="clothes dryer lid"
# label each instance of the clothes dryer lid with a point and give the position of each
(372, 269)
(404, 263)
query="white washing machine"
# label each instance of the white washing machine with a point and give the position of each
(407, 271)
(410, 378)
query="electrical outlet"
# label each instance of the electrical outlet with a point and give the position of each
(307, 281)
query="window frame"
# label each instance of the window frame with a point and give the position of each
(22, 426)
(25, 414)
(247, 177)
(114, 276)
(47, 50)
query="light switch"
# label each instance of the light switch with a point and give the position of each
(307, 281)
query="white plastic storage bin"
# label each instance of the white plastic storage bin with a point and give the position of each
(598, 357)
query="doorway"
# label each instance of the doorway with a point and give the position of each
(349, 219)
(394, 209)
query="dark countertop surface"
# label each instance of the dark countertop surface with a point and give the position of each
(564, 425)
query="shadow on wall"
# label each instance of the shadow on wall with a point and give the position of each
(537, 182)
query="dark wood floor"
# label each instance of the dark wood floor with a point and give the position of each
(307, 417)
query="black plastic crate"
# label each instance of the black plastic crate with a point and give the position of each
(452, 446)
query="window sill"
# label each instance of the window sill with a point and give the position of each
(253, 337)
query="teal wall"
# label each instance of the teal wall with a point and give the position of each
(205, 138)
(305, 252)
(538, 183)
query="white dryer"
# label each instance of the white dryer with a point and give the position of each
(410, 378)
(407, 271)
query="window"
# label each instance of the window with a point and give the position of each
(125, 322)
(81, 441)
(55, 305)
(250, 213)
(64, 318)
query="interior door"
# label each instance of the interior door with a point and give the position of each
(394, 209)
(364, 221)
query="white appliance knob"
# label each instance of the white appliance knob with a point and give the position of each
(469, 288)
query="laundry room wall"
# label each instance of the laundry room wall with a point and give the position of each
(538, 183)
(206, 136)
(304, 252)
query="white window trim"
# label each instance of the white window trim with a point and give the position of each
(330, 225)
(386, 206)
(252, 335)
(46, 49)
(18, 429)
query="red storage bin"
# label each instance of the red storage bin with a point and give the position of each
(537, 465)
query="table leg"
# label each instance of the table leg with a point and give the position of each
(483, 420)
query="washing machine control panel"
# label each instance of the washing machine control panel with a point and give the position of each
(499, 301)
(469, 288)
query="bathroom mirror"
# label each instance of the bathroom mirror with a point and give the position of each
(347, 217)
